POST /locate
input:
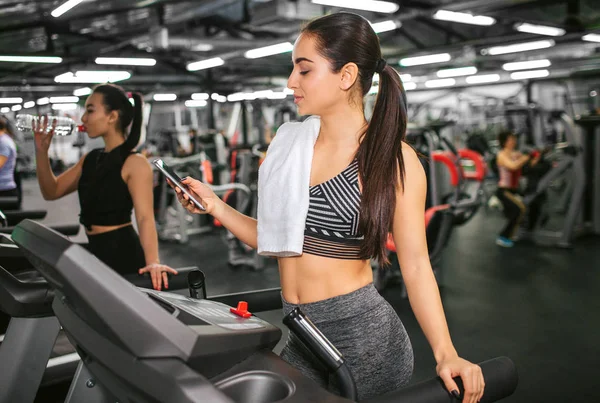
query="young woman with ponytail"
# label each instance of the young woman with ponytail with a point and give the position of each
(363, 176)
(111, 181)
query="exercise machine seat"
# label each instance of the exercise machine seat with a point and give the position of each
(478, 161)
(430, 213)
(449, 160)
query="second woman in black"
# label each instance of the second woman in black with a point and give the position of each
(112, 181)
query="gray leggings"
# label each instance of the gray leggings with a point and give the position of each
(367, 332)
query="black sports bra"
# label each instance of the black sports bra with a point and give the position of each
(331, 228)
(104, 197)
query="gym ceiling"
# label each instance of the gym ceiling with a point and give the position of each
(177, 33)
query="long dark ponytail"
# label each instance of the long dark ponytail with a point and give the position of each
(115, 99)
(343, 38)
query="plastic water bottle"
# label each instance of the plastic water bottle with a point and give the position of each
(65, 126)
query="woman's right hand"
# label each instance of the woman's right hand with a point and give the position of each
(41, 134)
(201, 192)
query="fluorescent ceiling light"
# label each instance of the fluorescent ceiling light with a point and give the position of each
(457, 72)
(277, 95)
(29, 104)
(529, 64)
(523, 75)
(13, 100)
(539, 29)
(591, 37)
(262, 94)
(205, 64)
(195, 103)
(126, 61)
(200, 96)
(219, 98)
(288, 91)
(367, 5)
(428, 59)
(409, 86)
(64, 107)
(519, 47)
(444, 82)
(63, 100)
(385, 26)
(238, 96)
(464, 18)
(80, 92)
(269, 50)
(6, 109)
(43, 101)
(202, 47)
(31, 59)
(483, 78)
(92, 77)
(164, 97)
(16, 108)
(403, 77)
(66, 6)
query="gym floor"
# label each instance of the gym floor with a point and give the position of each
(537, 305)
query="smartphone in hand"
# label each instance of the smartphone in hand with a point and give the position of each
(173, 177)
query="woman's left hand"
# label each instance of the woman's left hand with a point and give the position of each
(471, 376)
(158, 274)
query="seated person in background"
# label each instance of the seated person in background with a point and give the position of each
(111, 181)
(8, 160)
(510, 163)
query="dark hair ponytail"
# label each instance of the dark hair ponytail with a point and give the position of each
(136, 126)
(115, 99)
(380, 162)
(343, 38)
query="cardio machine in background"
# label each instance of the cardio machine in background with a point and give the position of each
(454, 195)
(558, 186)
(147, 346)
(175, 223)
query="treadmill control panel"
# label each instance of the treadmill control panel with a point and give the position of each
(211, 312)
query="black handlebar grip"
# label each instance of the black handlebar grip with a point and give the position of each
(500, 377)
(322, 348)
(197, 284)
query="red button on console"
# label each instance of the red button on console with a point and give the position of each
(241, 310)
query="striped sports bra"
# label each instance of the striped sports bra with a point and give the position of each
(331, 228)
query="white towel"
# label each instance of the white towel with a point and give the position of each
(283, 189)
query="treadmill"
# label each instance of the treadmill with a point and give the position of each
(33, 350)
(140, 345)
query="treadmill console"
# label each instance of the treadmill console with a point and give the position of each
(207, 312)
(223, 338)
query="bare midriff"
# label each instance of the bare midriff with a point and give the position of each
(100, 229)
(310, 278)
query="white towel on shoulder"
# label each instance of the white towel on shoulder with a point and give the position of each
(283, 189)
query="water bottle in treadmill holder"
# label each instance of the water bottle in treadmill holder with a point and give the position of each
(197, 284)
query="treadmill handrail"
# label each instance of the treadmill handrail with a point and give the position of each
(21, 299)
(500, 375)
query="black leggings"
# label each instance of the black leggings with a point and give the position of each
(514, 210)
(120, 250)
